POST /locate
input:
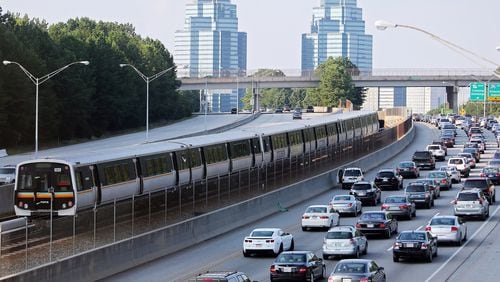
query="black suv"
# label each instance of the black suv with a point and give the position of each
(222, 276)
(388, 177)
(424, 159)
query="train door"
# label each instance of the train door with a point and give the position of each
(87, 190)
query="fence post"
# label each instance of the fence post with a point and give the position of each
(114, 221)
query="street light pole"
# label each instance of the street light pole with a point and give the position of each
(147, 79)
(37, 81)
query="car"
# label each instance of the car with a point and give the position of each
(447, 228)
(496, 155)
(433, 184)
(346, 204)
(377, 222)
(310, 109)
(449, 128)
(471, 160)
(424, 159)
(448, 141)
(495, 128)
(492, 173)
(221, 276)
(484, 184)
(267, 240)
(480, 142)
(388, 177)
(319, 216)
(234, 111)
(7, 174)
(442, 178)
(366, 192)
(412, 244)
(349, 176)
(297, 114)
(408, 169)
(471, 203)
(420, 194)
(278, 110)
(297, 266)
(494, 162)
(441, 143)
(286, 108)
(453, 172)
(357, 270)
(344, 241)
(399, 206)
(474, 152)
(436, 151)
(462, 164)
(473, 130)
(443, 121)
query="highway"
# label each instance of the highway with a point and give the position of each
(224, 252)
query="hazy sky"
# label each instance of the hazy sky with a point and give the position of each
(274, 27)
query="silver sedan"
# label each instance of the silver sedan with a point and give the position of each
(453, 172)
(448, 228)
(346, 204)
(399, 205)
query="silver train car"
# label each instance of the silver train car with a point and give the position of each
(66, 184)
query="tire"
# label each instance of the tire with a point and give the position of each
(465, 237)
(311, 277)
(356, 212)
(246, 254)
(326, 257)
(409, 216)
(365, 251)
(292, 245)
(395, 258)
(459, 242)
(494, 198)
(279, 250)
(396, 230)
(429, 205)
(415, 213)
(388, 234)
(436, 253)
(429, 258)
(357, 255)
(323, 270)
(304, 228)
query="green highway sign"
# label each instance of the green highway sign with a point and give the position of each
(477, 91)
(494, 91)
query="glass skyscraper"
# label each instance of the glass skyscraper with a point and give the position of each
(211, 46)
(337, 30)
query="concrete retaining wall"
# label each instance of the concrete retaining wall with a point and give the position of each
(111, 259)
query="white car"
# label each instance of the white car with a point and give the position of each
(319, 216)
(453, 172)
(349, 176)
(448, 228)
(266, 240)
(7, 174)
(437, 152)
(461, 164)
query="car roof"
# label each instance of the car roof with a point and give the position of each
(413, 231)
(362, 182)
(352, 168)
(355, 261)
(317, 206)
(266, 229)
(342, 228)
(444, 216)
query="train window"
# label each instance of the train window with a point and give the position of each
(182, 160)
(279, 141)
(308, 135)
(320, 132)
(84, 179)
(256, 146)
(158, 165)
(195, 157)
(295, 138)
(116, 173)
(240, 148)
(215, 153)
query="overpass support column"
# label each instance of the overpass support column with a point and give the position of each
(452, 97)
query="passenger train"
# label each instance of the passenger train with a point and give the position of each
(82, 180)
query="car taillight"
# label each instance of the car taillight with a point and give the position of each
(482, 175)
(480, 201)
(382, 225)
(454, 202)
(248, 241)
(454, 229)
(302, 269)
(428, 228)
(403, 207)
(349, 205)
(424, 246)
(383, 207)
(358, 225)
(305, 217)
(273, 268)
(364, 279)
(427, 195)
(270, 241)
(331, 279)
(498, 174)
(443, 180)
(323, 217)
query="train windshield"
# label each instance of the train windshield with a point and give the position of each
(44, 177)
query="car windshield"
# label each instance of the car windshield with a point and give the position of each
(456, 161)
(287, 258)
(352, 172)
(434, 147)
(262, 233)
(496, 155)
(339, 235)
(359, 186)
(467, 155)
(412, 236)
(421, 155)
(490, 169)
(389, 200)
(4, 170)
(316, 210)
(386, 174)
(443, 221)
(494, 162)
(475, 183)
(467, 197)
(342, 198)
(350, 267)
(371, 216)
(415, 188)
(406, 164)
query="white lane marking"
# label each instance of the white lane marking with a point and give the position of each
(390, 249)
(463, 246)
(419, 227)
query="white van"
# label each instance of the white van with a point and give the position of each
(461, 164)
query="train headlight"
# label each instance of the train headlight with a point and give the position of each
(20, 204)
(26, 206)
(70, 204)
(63, 206)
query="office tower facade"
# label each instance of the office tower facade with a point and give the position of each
(337, 30)
(210, 45)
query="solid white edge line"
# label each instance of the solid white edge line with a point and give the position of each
(459, 249)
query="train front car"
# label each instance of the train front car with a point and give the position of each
(44, 186)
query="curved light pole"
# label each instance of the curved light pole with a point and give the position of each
(37, 81)
(147, 79)
(383, 25)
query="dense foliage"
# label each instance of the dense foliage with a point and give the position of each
(81, 101)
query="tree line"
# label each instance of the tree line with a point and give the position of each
(82, 102)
